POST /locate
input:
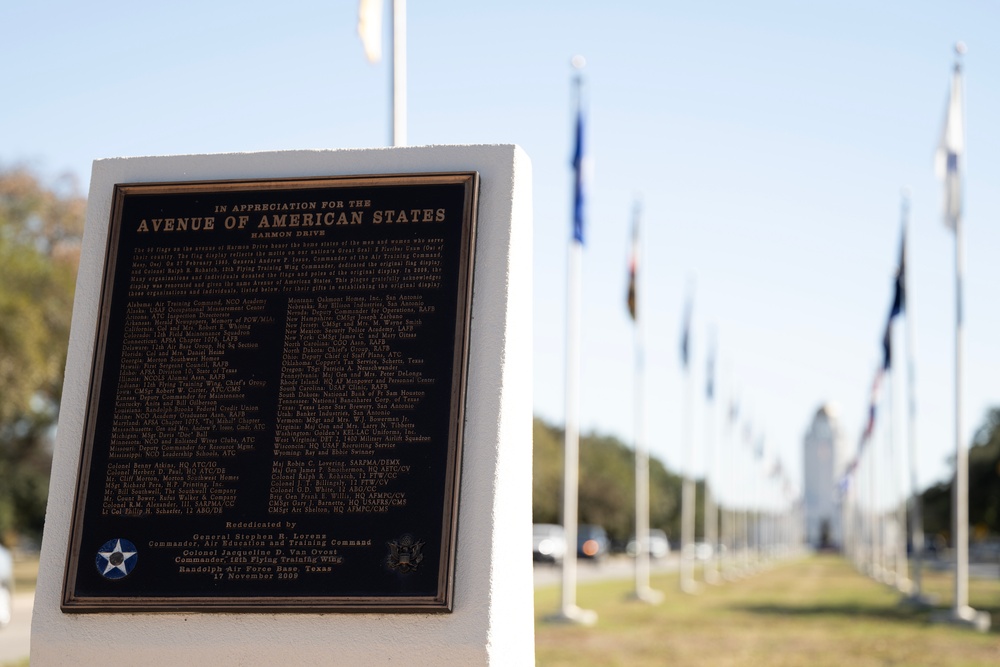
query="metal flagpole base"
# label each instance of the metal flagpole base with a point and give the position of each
(647, 595)
(573, 615)
(964, 616)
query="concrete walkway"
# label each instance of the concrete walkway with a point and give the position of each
(15, 639)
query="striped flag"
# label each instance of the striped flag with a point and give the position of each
(633, 265)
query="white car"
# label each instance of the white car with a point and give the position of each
(6, 586)
(549, 542)
(659, 545)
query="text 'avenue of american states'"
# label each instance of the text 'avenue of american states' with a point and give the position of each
(275, 414)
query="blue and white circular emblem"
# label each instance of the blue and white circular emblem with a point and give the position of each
(116, 559)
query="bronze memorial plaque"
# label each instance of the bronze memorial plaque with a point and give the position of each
(276, 404)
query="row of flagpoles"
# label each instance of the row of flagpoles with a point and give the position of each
(748, 535)
(877, 538)
(864, 533)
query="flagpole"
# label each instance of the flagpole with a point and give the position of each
(643, 592)
(916, 510)
(961, 610)
(895, 575)
(568, 611)
(960, 490)
(729, 473)
(755, 502)
(951, 149)
(686, 578)
(398, 72)
(903, 583)
(747, 494)
(711, 527)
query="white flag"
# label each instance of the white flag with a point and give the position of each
(370, 28)
(948, 159)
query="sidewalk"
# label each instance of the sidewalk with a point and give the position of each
(15, 639)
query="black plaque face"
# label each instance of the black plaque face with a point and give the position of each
(276, 404)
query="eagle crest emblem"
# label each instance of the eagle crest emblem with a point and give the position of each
(405, 554)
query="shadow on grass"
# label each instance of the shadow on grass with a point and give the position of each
(847, 609)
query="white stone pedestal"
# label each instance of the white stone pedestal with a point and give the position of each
(492, 622)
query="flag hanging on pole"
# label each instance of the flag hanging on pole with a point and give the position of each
(710, 375)
(686, 335)
(370, 28)
(898, 303)
(899, 295)
(948, 159)
(633, 265)
(887, 345)
(578, 167)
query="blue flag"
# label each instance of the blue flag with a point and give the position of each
(710, 377)
(899, 295)
(578, 184)
(898, 304)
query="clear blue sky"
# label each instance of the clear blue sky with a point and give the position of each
(768, 141)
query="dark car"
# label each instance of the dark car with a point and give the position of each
(592, 542)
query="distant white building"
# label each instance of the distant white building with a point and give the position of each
(822, 455)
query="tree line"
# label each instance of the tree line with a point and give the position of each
(984, 488)
(41, 227)
(607, 485)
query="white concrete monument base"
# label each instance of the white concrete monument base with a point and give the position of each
(492, 622)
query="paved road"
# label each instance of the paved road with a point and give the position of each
(616, 567)
(15, 638)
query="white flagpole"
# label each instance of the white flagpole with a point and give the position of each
(960, 490)
(711, 517)
(952, 147)
(903, 582)
(568, 611)
(916, 513)
(729, 471)
(876, 542)
(398, 72)
(891, 544)
(747, 494)
(687, 583)
(642, 592)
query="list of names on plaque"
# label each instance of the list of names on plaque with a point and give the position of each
(277, 399)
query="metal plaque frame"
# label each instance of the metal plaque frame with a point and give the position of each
(225, 467)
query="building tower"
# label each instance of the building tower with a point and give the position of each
(822, 458)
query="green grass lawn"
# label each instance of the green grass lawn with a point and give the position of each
(812, 613)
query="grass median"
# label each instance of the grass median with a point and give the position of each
(813, 612)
